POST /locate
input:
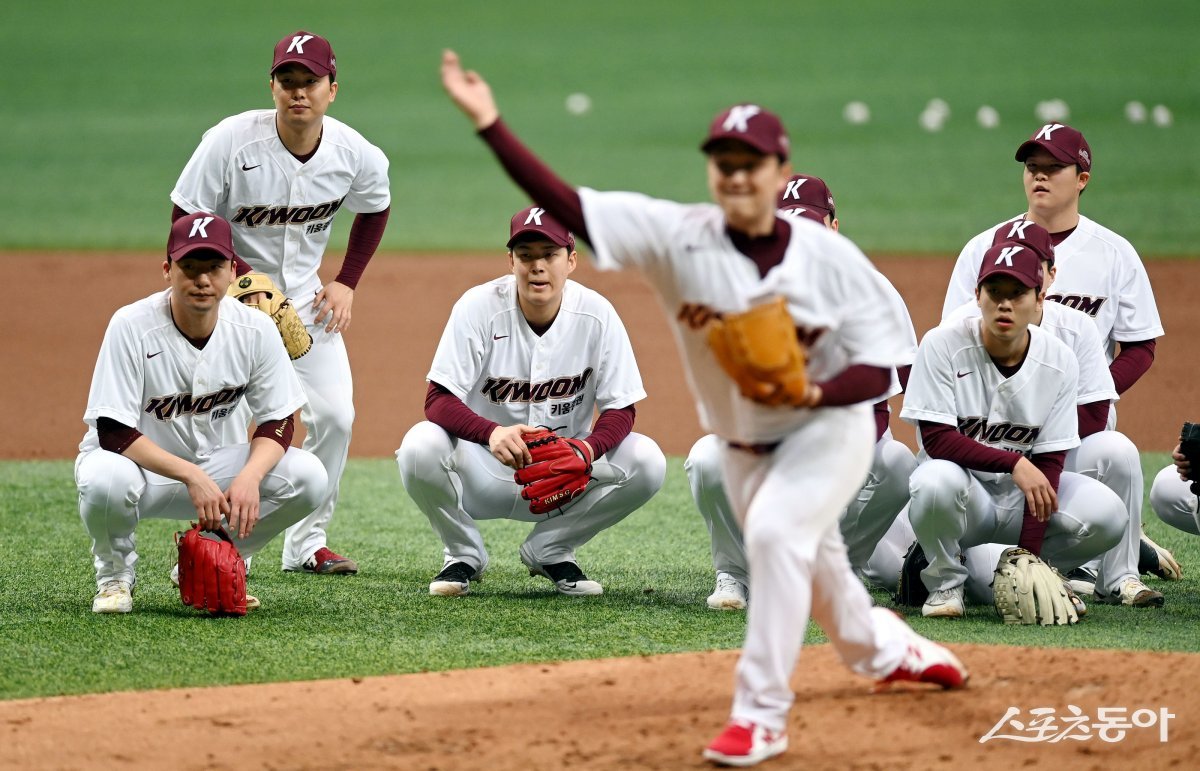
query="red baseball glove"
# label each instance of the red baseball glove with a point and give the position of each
(560, 471)
(212, 575)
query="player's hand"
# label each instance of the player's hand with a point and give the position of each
(507, 446)
(469, 91)
(207, 499)
(334, 300)
(1039, 494)
(243, 499)
(1182, 464)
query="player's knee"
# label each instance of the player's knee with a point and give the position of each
(894, 467)
(703, 468)
(309, 479)
(1112, 458)
(937, 484)
(1107, 517)
(108, 481)
(1173, 501)
(423, 451)
(648, 466)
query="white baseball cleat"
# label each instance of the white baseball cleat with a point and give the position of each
(743, 743)
(114, 597)
(730, 594)
(944, 603)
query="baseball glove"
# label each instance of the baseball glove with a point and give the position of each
(760, 351)
(275, 304)
(212, 575)
(1028, 591)
(911, 591)
(1189, 447)
(559, 473)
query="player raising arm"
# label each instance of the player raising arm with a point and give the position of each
(171, 372)
(795, 453)
(532, 348)
(280, 176)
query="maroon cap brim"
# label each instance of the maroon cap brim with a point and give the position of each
(543, 235)
(187, 249)
(738, 136)
(312, 66)
(1026, 149)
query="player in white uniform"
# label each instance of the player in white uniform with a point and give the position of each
(874, 508)
(994, 401)
(532, 348)
(280, 176)
(171, 371)
(1099, 273)
(1173, 495)
(789, 471)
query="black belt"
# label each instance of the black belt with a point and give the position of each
(763, 448)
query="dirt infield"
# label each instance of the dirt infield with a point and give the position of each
(399, 313)
(636, 713)
(621, 714)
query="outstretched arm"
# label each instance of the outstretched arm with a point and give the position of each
(469, 91)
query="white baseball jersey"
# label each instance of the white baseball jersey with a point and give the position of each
(490, 358)
(1078, 332)
(955, 382)
(841, 305)
(282, 210)
(150, 377)
(1099, 273)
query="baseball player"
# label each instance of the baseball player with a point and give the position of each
(876, 505)
(1106, 456)
(1173, 494)
(994, 402)
(280, 177)
(530, 348)
(791, 469)
(171, 372)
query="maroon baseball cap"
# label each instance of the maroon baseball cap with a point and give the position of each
(1020, 262)
(200, 231)
(808, 212)
(808, 192)
(752, 125)
(534, 219)
(1063, 142)
(313, 51)
(1027, 233)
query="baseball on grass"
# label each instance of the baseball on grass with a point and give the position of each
(1052, 110)
(578, 103)
(856, 113)
(1135, 112)
(1161, 115)
(987, 117)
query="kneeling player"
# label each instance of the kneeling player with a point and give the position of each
(994, 401)
(171, 371)
(529, 349)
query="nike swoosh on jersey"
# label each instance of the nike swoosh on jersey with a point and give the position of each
(499, 337)
(248, 168)
(964, 374)
(152, 355)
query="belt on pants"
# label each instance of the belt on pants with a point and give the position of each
(763, 448)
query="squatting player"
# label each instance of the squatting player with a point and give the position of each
(171, 372)
(530, 348)
(993, 399)
(1101, 274)
(873, 509)
(789, 471)
(280, 176)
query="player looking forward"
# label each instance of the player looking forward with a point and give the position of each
(171, 372)
(789, 470)
(280, 176)
(530, 348)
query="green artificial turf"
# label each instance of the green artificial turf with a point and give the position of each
(655, 567)
(109, 100)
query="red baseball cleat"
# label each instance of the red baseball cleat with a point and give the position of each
(743, 743)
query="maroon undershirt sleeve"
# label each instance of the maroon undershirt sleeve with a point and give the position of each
(364, 238)
(1093, 417)
(943, 442)
(902, 374)
(883, 416)
(611, 428)
(1132, 361)
(1032, 531)
(240, 266)
(278, 430)
(114, 435)
(456, 418)
(538, 181)
(854, 384)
